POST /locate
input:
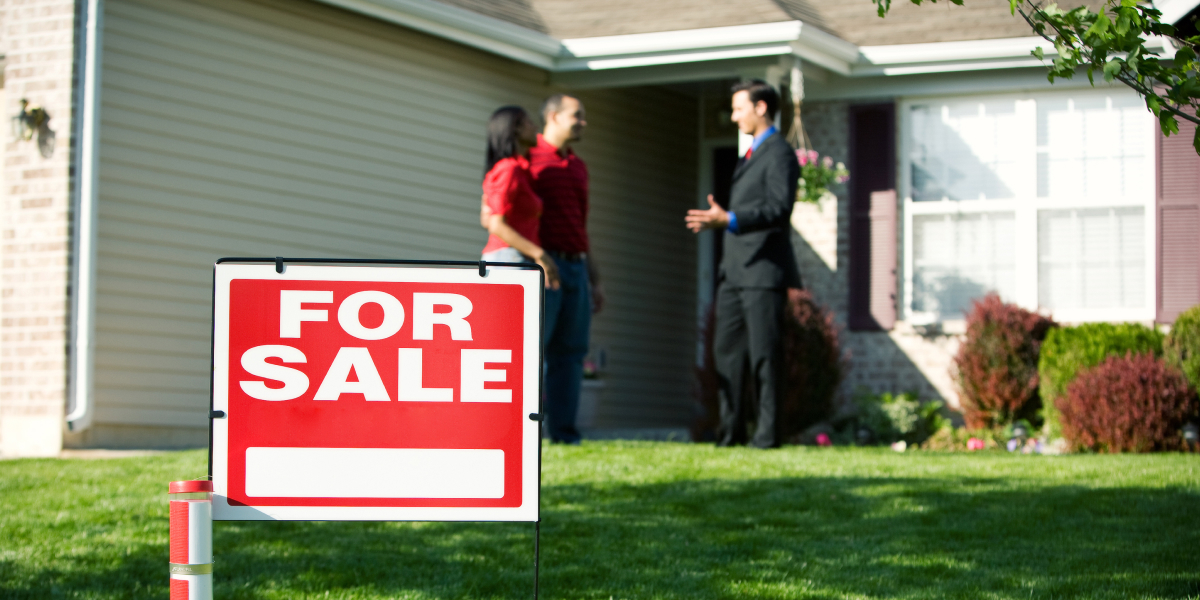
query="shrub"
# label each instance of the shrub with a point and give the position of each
(957, 439)
(997, 362)
(1131, 403)
(895, 417)
(813, 364)
(1181, 349)
(1069, 350)
(813, 369)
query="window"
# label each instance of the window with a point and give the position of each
(1044, 199)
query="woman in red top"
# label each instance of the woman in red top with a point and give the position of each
(516, 211)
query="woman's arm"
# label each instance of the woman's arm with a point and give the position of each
(497, 226)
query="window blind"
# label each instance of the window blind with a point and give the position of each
(1091, 147)
(967, 150)
(960, 257)
(1091, 258)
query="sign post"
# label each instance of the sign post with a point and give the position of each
(376, 391)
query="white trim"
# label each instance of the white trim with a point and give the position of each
(713, 43)
(463, 26)
(970, 55)
(953, 51)
(690, 39)
(565, 65)
(1174, 10)
(83, 288)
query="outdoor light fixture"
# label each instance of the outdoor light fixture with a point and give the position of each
(1191, 434)
(34, 121)
(29, 121)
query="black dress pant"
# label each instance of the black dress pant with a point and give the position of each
(748, 342)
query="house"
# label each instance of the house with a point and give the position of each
(182, 131)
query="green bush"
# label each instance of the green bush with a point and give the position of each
(1182, 346)
(1069, 350)
(894, 417)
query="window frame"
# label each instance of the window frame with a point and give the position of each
(1025, 208)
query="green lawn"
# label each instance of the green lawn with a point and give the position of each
(655, 520)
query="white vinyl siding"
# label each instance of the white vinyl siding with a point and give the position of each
(1041, 198)
(284, 127)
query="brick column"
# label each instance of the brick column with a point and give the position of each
(39, 43)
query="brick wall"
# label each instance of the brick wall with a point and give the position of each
(900, 360)
(38, 40)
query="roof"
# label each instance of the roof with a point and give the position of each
(622, 42)
(854, 21)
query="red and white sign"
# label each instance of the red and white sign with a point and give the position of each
(375, 393)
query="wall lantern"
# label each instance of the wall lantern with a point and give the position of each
(34, 121)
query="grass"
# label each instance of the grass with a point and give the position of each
(655, 520)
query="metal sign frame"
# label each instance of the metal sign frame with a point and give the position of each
(280, 264)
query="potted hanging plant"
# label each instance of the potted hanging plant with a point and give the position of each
(817, 172)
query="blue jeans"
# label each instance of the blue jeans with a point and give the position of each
(568, 323)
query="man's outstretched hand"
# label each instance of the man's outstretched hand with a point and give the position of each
(714, 218)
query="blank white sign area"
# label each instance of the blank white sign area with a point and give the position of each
(374, 473)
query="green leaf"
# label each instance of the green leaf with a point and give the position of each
(1111, 69)
(1196, 140)
(1124, 22)
(1168, 124)
(1038, 53)
(1100, 27)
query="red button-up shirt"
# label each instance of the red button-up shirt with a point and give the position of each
(562, 184)
(509, 191)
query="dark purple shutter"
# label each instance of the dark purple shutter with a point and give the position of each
(1178, 213)
(872, 277)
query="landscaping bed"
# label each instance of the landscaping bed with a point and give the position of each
(656, 520)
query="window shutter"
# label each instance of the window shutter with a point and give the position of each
(1178, 208)
(872, 276)
(883, 259)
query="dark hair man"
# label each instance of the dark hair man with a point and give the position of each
(756, 269)
(560, 178)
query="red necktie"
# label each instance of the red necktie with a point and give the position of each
(749, 152)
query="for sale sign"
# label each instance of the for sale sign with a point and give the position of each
(375, 393)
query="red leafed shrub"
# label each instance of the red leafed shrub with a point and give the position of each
(997, 362)
(1131, 403)
(813, 364)
(813, 368)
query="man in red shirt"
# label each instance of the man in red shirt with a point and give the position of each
(560, 178)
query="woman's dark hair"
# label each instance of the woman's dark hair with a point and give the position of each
(502, 134)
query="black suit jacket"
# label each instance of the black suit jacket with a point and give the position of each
(760, 254)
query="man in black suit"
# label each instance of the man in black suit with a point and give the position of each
(757, 267)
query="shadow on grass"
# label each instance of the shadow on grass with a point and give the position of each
(813, 537)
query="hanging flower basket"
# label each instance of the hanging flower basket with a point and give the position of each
(817, 173)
